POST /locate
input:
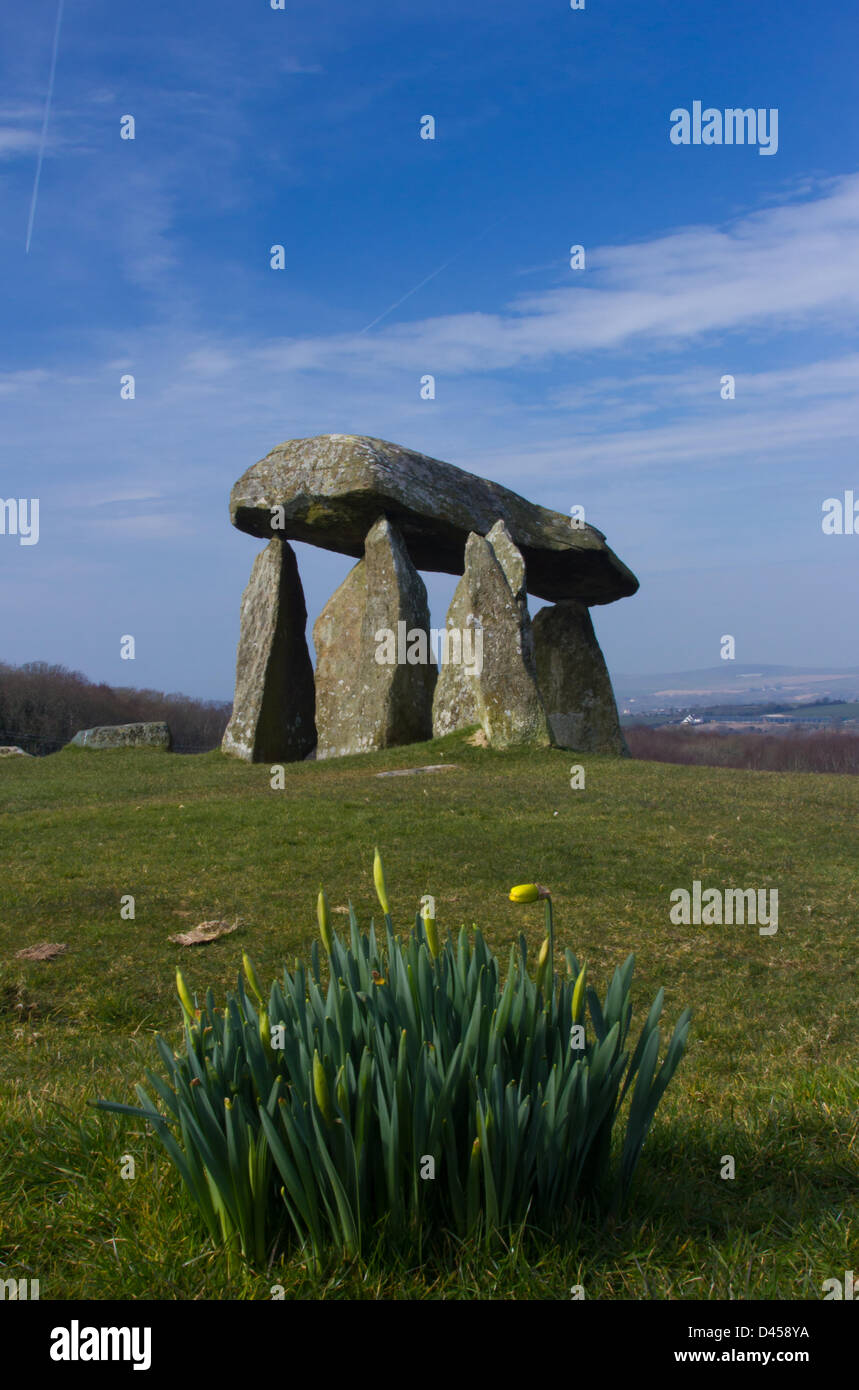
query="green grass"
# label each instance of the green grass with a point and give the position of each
(771, 1073)
(847, 709)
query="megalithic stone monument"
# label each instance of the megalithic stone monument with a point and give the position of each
(397, 511)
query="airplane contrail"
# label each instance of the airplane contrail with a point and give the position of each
(45, 125)
(431, 276)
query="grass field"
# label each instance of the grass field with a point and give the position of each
(771, 1074)
(849, 709)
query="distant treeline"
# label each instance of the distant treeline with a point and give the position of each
(790, 750)
(42, 707)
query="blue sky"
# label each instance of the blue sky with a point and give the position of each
(600, 387)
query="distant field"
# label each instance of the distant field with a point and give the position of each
(849, 710)
(792, 749)
(770, 1075)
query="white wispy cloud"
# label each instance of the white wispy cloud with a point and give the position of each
(778, 269)
(831, 376)
(771, 434)
(296, 68)
(150, 527)
(15, 142)
(214, 402)
(126, 495)
(16, 383)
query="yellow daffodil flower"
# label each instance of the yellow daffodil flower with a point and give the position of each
(528, 893)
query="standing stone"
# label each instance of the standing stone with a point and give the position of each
(374, 673)
(574, 681)
(498, 690)
(272, 719)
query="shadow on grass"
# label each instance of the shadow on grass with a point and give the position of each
(686, 1233)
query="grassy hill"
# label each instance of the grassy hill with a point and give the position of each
(771, 1075)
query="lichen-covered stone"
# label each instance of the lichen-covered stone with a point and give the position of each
(272, 719)
(152, 735)
(500, 691)
(329, 490)
(574, 681)
(364, 704)
(510, 559)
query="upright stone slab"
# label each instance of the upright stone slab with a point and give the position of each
(499, 689)
(574, 681)
(272, 719)
(372, 688)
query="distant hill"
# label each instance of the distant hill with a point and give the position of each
(42, 707)
(731, 682)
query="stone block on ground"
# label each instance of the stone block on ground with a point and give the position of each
(273, 708)
(151, 735)
(362, 703)
(574, 681)
(496, 688)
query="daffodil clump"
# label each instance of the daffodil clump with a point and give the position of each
(410, 1088)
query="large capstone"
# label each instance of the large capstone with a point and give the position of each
(494, 683)
(374, 671)
(328, 491)
(272, 719)
(152, 735)
(574, 682)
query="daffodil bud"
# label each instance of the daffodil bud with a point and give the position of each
(542, 962)
(579, 994)
(265, 1033)
(184, 996)
(321, 1091)
(324, 919)
(342, 1096)
(379, 880)
(431, 930)
(251, 975)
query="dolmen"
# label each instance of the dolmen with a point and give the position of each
(383, 676)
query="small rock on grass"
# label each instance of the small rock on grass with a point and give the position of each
(411, 771)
